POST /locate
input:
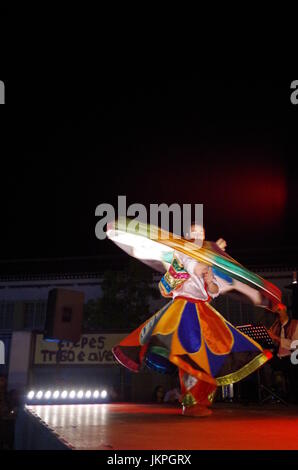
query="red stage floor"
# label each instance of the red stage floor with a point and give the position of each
(136, 426)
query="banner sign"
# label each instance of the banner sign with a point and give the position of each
(91, 349)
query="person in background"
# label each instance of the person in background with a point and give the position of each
(158, 394)
(283, 333)
(173, 396)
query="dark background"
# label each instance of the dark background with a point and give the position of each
(68, 146)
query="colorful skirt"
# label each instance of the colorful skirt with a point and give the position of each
(193, 336)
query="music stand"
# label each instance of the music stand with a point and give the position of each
(260, 334)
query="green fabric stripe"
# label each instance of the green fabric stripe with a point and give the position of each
(203, 254)
(160, 351)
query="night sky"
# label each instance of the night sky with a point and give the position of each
(231, 145)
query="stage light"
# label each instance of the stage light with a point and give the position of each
(72, 395)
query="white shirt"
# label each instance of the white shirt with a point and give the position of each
(194, 287)
(172, 395)
(285, 345)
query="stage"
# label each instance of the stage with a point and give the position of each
(120, 426)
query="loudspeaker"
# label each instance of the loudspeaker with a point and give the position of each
(64, 319)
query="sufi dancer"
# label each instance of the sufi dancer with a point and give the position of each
(188, 332)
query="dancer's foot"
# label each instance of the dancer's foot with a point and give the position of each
(196, 411)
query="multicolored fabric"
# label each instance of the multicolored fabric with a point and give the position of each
(173, 278)
(195, 337)
(156, 253)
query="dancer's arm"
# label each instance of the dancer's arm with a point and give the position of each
(212, 286)
(222, 244)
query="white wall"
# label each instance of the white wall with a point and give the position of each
(19, 362)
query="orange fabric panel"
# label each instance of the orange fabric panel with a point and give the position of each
(216, 333)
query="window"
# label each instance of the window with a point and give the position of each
(35, 315)
(29, 315)
(40, 315)
(6, 315)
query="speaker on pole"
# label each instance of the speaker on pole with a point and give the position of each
(64, 318)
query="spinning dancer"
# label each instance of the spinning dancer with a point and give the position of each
(188, 332)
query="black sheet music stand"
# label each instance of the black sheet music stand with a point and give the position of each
(259, 334)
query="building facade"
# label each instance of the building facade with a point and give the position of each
(23, 303)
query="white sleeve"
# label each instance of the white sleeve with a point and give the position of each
(290, 344)
(188, 262)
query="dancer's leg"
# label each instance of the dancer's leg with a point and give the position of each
(196, 395)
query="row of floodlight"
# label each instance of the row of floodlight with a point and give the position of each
(49, 395)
